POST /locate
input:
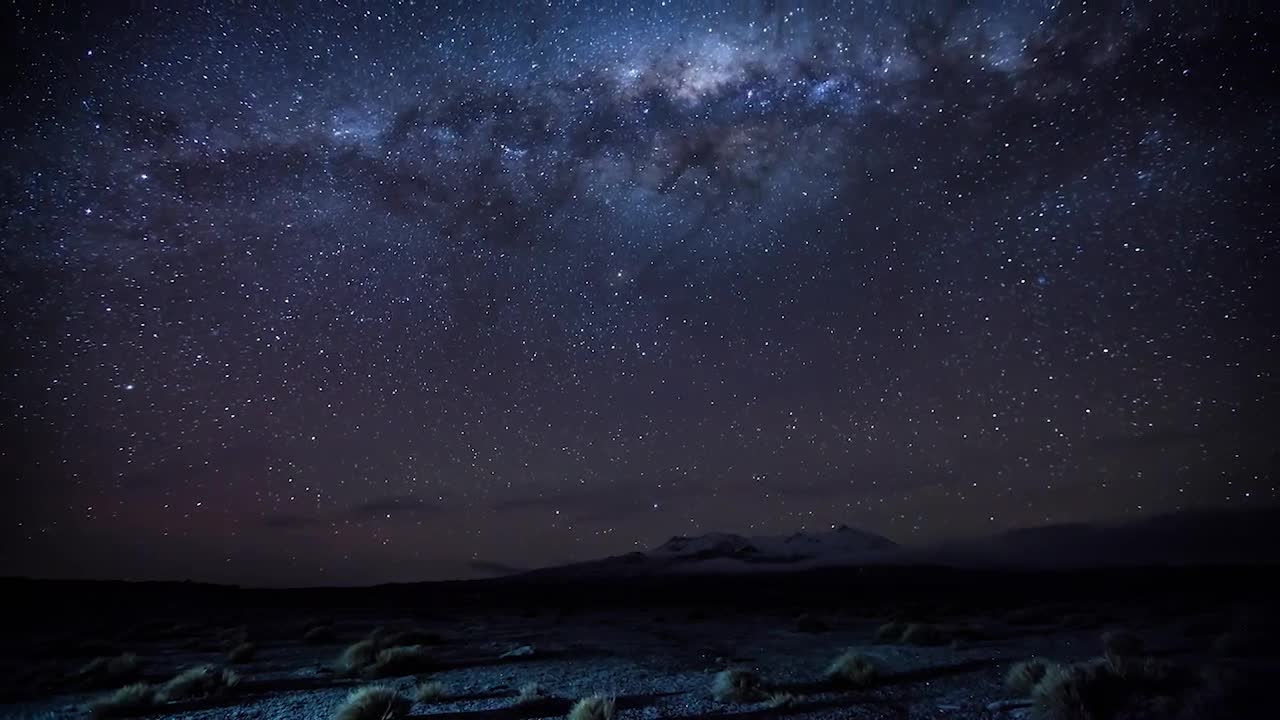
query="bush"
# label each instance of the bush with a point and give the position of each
(531, 693)
(108, 671)
(779, 700)
(595, 707)
(129, 700)
(1121, 643)
(922, 634)
(358, 656)
(319, 635)
(737, 685)
(430, 692)
(1023, 677)
(890, 632)
(373, 702)
(853, 669)
(201, 681)
(397, 661)
(242, 653)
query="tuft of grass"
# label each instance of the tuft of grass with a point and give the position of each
(106, 671)
(1023, 677)
(531, 693)
(196, 682)
(1122, 643)
(853, 669)
(811, 624)
(737, 685)
(242, 653)
(431, 692)
(780, 700)
(1142, 687)
(594, 707)
(410, 637)
(1034, 615)
(373, 702)
(1083, 691)
(890, 632)
(129, 700)
(319, 635)
(924, 634)
(358, 656)
(398, 661)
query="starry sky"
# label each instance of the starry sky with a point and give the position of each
(337, 293)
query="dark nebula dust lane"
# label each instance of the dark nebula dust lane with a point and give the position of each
(403, 290)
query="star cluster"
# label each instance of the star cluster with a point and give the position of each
(358, 292)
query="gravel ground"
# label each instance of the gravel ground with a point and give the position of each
(657, 667)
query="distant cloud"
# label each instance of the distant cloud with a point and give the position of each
(394, 505)
(391, 507)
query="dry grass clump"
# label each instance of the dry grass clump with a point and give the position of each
(1023, 677)
(811, 624)
(737, 685)
(1122, 643)
(924, 634)
(853, 669)
(531, 693)
(595, 707)
(373, 702)
(398, 661)
(242, 653)
(1099, 689)
(358, 656)
(1083, 691)
(129, 700)
(890, 632)
(108, 671)
(431, 691)
(319, 635)
(196, 682)
(780, 700)
(410, 637)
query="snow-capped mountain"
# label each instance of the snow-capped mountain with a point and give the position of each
(725, 552)
(840, 542)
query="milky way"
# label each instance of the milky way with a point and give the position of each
(400, 291)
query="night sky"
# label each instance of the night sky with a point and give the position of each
(361, 292)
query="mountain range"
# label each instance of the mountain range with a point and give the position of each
(1187, 538)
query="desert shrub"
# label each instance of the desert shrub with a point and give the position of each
(1084, 691)
(431, 691)
(1034, 615)
(531, 693)
(410, 637)
(781, 700)
(737, 685)
(396, 661)
(319, 635)
(373, 702)
(358, 656)
(1023, 677)
(129, 700)
(107, 671)
(890, 632)
(1080, 621)
(853, 669)
(1121, 643)
(242, 653)
(595, 707)
(924, 634)
(200, 681)
(1138, 688)
(811, 624)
